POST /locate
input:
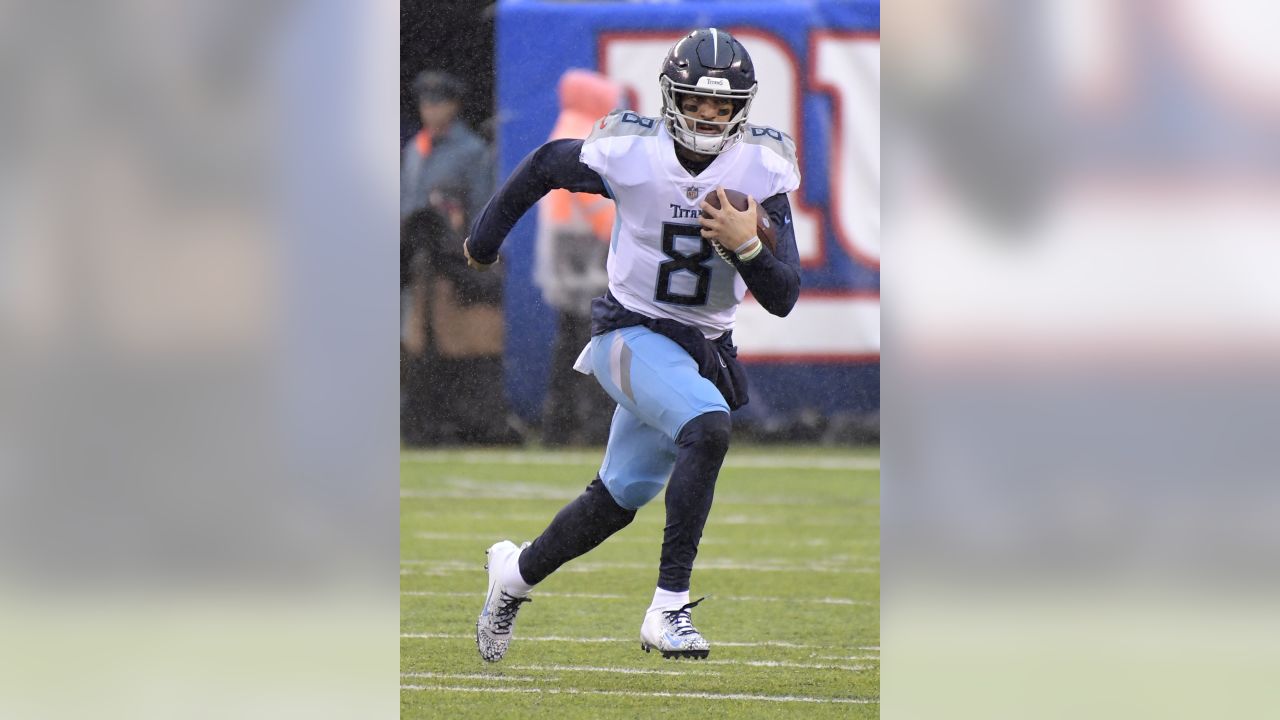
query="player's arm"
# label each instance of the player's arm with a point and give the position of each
(774, 277)
(554, 165)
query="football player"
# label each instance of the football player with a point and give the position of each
(662, 336)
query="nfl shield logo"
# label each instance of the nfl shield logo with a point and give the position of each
(691, 192)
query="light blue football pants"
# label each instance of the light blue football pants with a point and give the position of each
(658, 389)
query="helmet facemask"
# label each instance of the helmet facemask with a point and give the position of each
(683, 128)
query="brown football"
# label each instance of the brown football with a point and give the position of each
(764, 228)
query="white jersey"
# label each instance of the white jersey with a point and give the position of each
(659, 265)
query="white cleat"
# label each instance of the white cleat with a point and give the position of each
(498, 618)
(672, 633)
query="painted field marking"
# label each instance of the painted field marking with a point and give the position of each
(593, 458)
(560, 638)
(468, 488)
(582, 596)
(470, 676)
(453, 566)
(633, 693)
(787, 664)
(490, 538)
(847, 658)
(652, 519)
(608, 596)
(624, 671)
(740, 519)
(523, 638)
(801, 601)
(551, 495)
(758, 566)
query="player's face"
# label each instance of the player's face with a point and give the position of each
(705, 108)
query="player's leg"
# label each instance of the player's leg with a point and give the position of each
(701, 446)
(636, 465)
(655, 379)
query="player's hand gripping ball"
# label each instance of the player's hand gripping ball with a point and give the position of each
(740, 201)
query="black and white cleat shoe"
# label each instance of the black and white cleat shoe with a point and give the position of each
(671, 632)
(497, 620)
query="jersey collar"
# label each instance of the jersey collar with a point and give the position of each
(676, 171)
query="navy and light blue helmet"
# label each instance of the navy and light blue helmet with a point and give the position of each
(708, 63)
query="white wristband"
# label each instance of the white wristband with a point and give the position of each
(750, 249)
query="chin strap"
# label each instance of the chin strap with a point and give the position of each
(699, 143)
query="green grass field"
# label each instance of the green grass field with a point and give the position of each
(790, 559)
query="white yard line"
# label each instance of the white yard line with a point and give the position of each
(540, 594)
(799, 601)
(739, 519)
(560, 638)
(467, 488)
(471, 676)
(429, 567)
(608, 596)
(634, 693)
(624, 671)
(593, 458)
(569, 494)
(761, 566)
(490, 538)
(655, 519)
(847, 658)
(786, 664)
(522, 638)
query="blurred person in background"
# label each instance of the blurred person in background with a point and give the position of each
(569, 267)
(445, 152)
(662, 336)
(452, 325)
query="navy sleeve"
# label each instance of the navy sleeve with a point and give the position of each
(774, 277)
(554, 165)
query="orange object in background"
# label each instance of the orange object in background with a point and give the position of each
(585, 97)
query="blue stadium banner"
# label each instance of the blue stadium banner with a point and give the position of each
(818, 65)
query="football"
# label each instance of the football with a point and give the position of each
(764, 229)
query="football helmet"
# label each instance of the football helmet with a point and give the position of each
(707, 63)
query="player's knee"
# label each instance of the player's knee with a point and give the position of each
(638, 494)
(624, 499)
(708, 432)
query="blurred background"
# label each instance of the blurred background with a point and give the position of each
(1080, 396)
(198, 496)
(815, 376)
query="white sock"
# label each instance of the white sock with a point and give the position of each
(510, 576)
(666, 600)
